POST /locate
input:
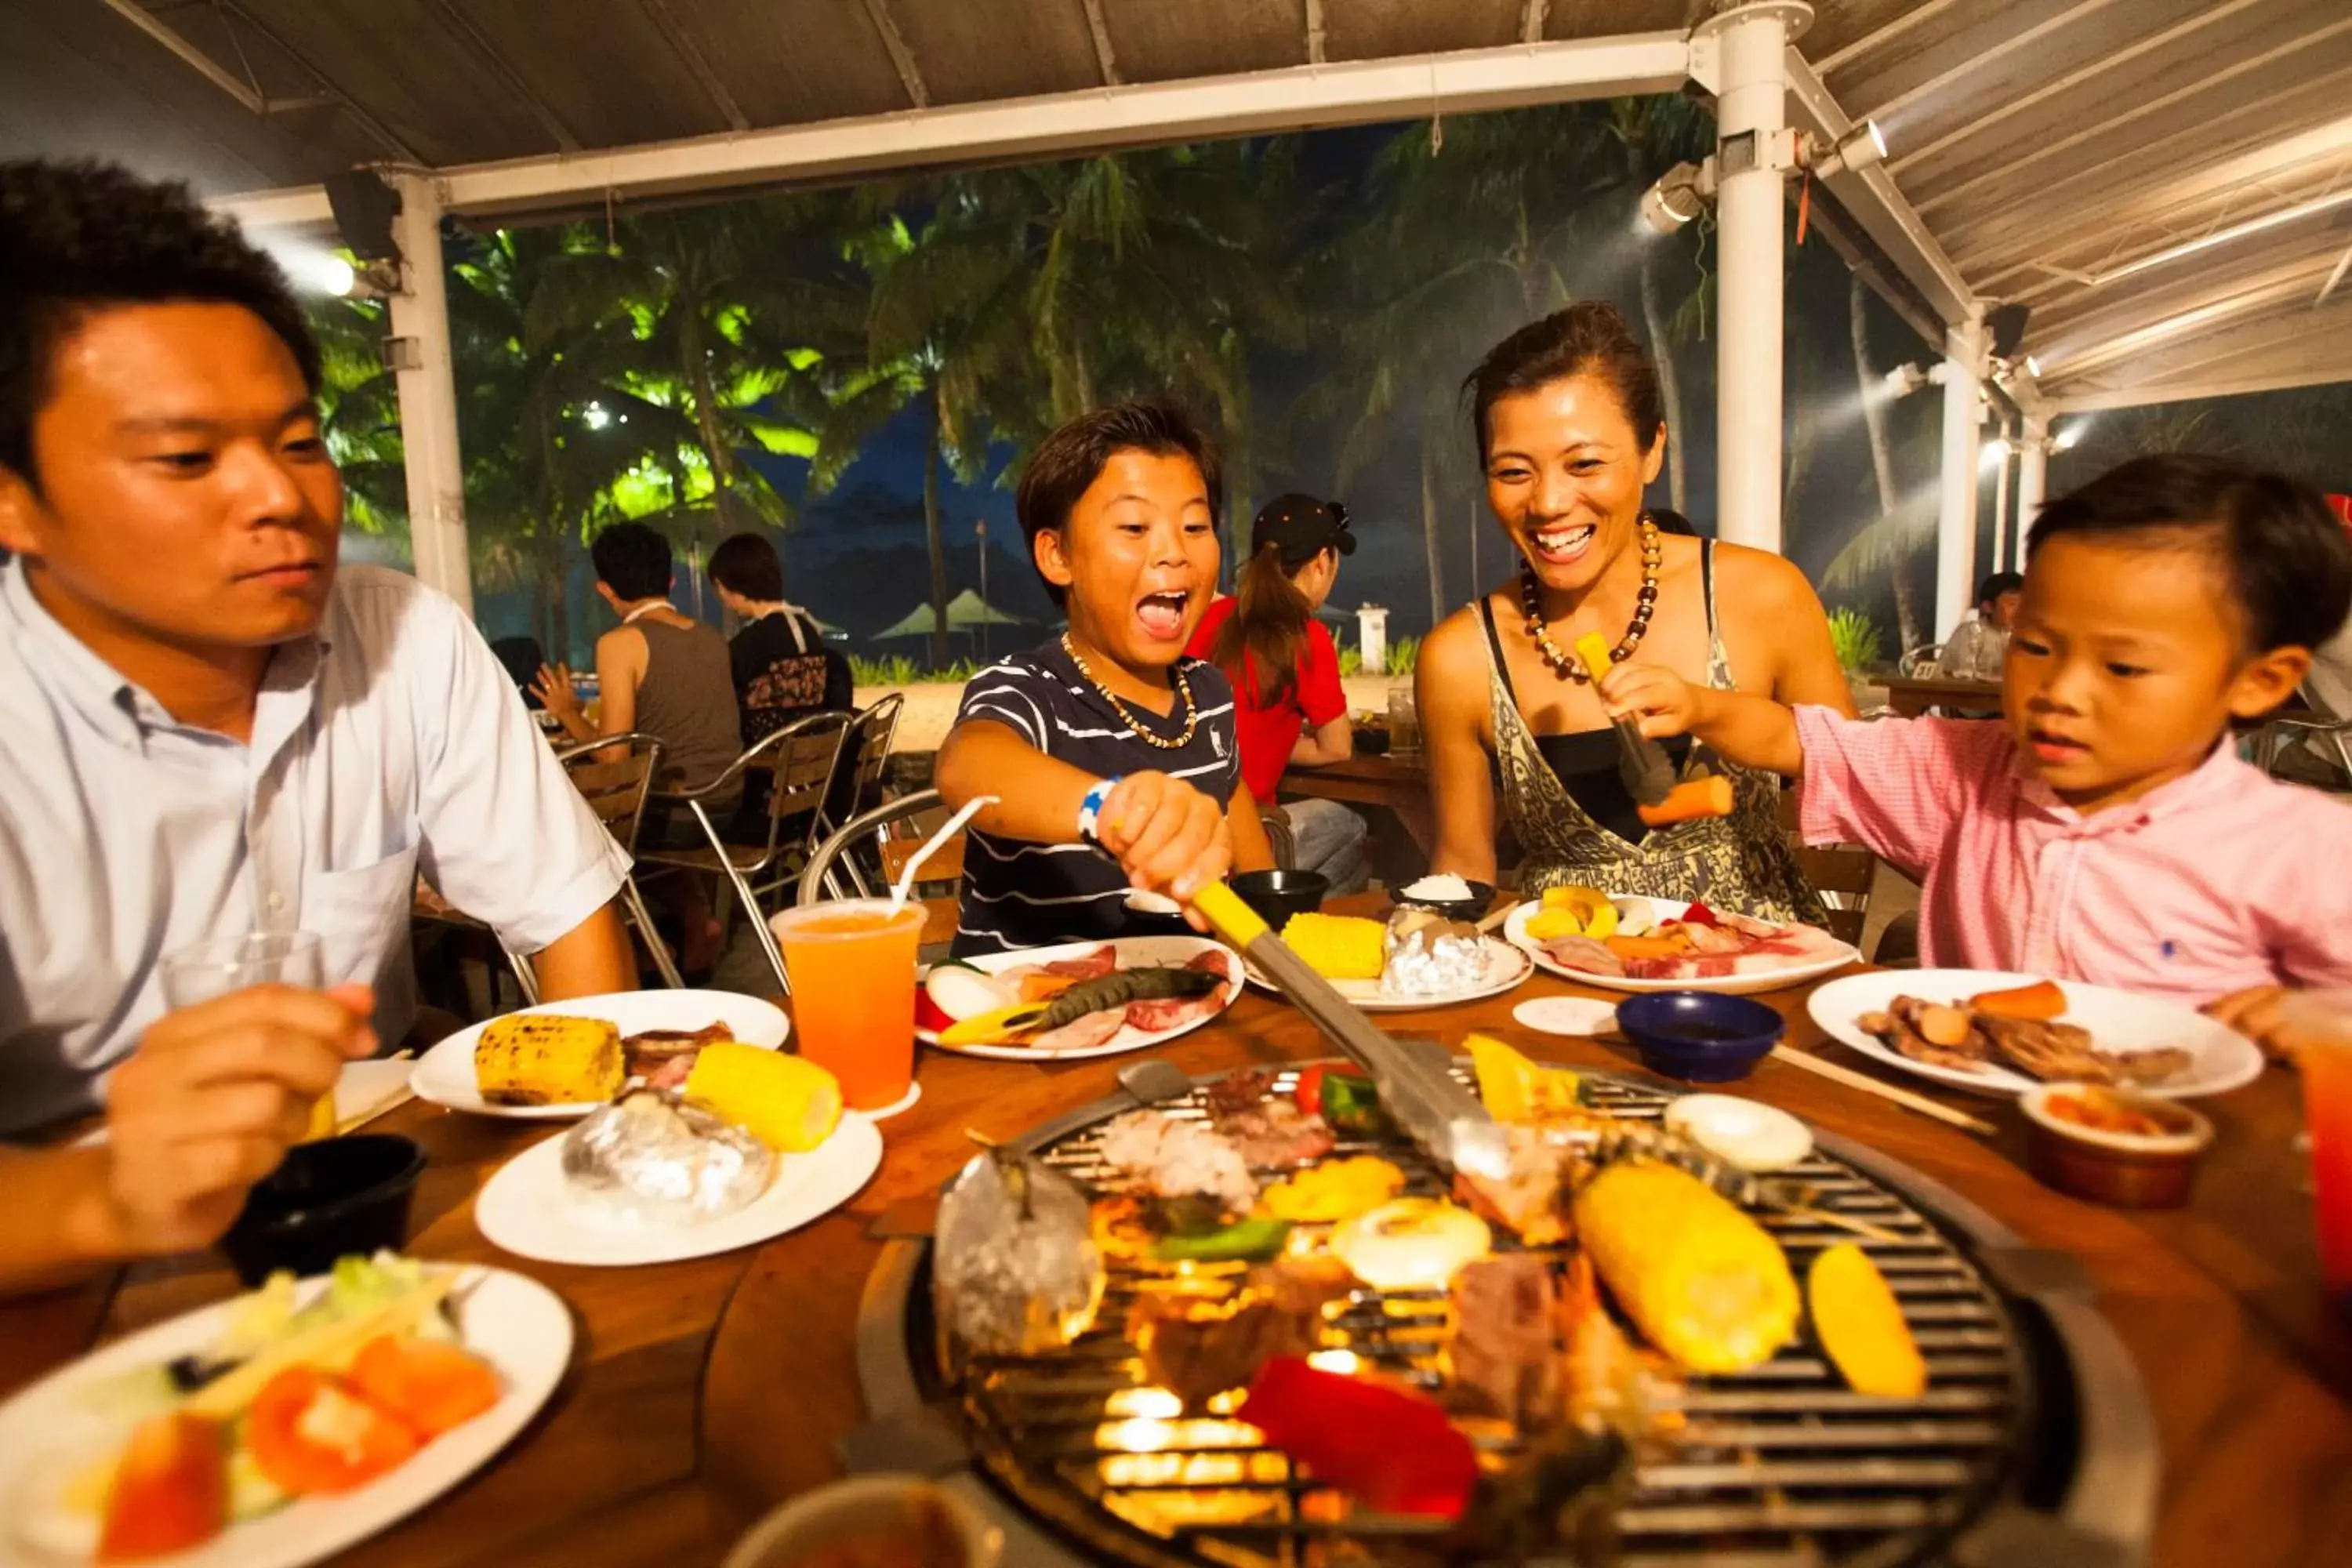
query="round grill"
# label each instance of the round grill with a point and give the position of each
(1779, 1465)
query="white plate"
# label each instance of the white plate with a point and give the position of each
(1580, 1016)
(515, 1324)
(1134, 952)
(2118, 1021)
(445, 1075)
(1507, 968)
(523, 1208)
(1795, 973)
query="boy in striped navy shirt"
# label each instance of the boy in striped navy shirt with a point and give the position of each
(1113, 757)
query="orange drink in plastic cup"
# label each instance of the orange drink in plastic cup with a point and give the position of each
(852, 968)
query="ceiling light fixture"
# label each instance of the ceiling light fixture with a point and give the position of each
(1855, 151)
(1679, 195)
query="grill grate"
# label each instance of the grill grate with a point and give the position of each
(1779, 1465)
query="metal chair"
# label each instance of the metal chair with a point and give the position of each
(616, 791)
(1279, 837)
(895, 829)
(858, 777)
(1920, 662)
(1841, 873)
(2317, 729)
(802, 757)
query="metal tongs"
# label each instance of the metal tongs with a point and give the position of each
(1648, 772)
(1416, 1087)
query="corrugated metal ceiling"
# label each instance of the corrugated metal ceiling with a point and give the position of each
(2046, 144)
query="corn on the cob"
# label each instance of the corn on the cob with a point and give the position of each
(1702, 1280)
(545, 1058)
(1337, 947)
(789, 1103)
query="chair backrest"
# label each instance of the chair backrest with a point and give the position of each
(865, 756)
(1920, 661)
(1841, 873)
(614, 787)
(1280, 839)
(802, 757)
(902, 823)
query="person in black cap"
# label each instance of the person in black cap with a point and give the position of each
(1288, 702)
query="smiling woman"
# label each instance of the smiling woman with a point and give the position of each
(1571, 429)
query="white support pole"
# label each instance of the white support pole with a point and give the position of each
(2000, 498)
(1956, 522)
(1751, 107)
(428, 394)
(2032, 482)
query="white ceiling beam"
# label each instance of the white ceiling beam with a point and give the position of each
(247, 98)
(1138, 114)
(1105, 60)
(902, 58)
(2068, 82)
(1871, 197)
(2065, 361)
(2023, 38)
(698, 65)
(1314, 32)
(2179, 392)
(1909, 18)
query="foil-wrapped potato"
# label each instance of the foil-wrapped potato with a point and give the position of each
(1015, 1270)
(1429, 955)
(648, 1158)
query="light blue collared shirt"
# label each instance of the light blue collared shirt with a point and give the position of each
(391, 742)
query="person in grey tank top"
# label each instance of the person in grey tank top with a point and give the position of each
(663, 673)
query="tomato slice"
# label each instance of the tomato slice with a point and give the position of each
(311, 1433)
(170, 1491)
(430, 1384)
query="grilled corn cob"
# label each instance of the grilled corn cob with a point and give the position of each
(545, 1058)
(1337, 947)
(1700, 1278)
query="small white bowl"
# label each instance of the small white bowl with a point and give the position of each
(865, 1504)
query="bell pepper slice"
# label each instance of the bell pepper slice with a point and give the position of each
(1392, 1449)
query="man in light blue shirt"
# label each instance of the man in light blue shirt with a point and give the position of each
(209, 730)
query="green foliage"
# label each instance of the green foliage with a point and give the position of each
(1351, 662)
(1855, 637)
(1404, 656)
(900, 670)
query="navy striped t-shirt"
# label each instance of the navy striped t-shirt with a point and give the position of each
(1018, 894)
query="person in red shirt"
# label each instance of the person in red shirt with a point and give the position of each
(1288, 703)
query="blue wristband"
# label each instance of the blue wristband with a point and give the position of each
(1090, 808)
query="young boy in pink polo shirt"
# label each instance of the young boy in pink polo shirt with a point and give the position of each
(2104, 830)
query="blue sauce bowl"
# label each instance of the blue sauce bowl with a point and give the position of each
(1699, 1036)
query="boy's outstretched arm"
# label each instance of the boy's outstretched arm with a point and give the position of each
(1165, 834)
(1747, 731)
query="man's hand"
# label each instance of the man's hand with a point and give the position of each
(1167, 835)
(554, 688)
(211, 1100)
(1665, 704)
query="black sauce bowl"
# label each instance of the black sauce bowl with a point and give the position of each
(338, 1196)
(1699, 1036)
(1278, 895)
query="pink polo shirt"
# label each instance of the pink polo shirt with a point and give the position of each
(2221, 880)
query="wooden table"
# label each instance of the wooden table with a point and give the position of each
(704, 1392)
(1910, 696)
(1399, 786)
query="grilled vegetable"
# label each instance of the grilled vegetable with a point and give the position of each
(1333, 1191)
(1392, 1449)
(961, 991)
(2040, 1002)
(1861, 1324)
(1251, 1241)
(545, 1058)
(1148, 983)
(1514, 1089)
(1344, 1097)
(1699, 1277)
(1574, 911)
(309, 1433)
(1338, 947)
(1691, 801)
